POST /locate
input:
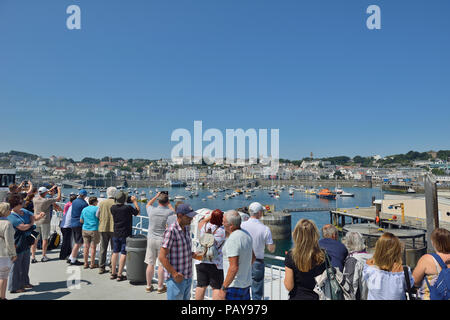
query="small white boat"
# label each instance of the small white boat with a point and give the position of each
(180, 198)
(346, 194)
(291, 192)
(203, 199)
(411, 190)
(248, 196)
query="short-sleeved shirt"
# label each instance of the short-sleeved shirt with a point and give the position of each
(17, 219)
(385, 285)
(219, 240)
(43, 205)
(304, 282)
(336, 250)
(179, 243)
(89, 217)
(157, 220)
(123, 220)
(77, 207)
(261, 235)
(171, 219)
(239, 244)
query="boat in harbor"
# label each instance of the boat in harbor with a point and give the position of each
(291, 191)
(411, 190)
(311, 191)
(177, 198)
(177, 183)
(326, 194)
(346, 194)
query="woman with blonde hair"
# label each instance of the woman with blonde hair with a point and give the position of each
(384, 272)
(430, 265)
(7, 248)
(304, 262)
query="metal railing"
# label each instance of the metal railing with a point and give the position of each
(273, 279)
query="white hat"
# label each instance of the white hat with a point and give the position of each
(255, 207)
(42, 190)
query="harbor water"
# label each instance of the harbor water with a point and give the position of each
(362, 198)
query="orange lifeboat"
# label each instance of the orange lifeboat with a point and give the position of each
(326, 194)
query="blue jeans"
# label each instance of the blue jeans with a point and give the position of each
(178, 291)
(258, 280)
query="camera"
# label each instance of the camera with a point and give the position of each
(165, 192)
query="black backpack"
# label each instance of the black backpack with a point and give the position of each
(53, 241)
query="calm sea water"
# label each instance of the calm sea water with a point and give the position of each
(363, 198)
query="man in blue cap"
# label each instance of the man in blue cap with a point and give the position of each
(77, 206)
(176, 254)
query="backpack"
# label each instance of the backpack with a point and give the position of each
(332, 284)
(207, 243)
(53, 241)
(440, 290)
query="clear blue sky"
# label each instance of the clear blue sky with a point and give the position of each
(139, 69)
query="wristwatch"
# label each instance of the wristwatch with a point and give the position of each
(224, 288)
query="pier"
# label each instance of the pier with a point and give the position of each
(306, 209)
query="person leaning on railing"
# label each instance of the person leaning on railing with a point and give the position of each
(428, 267)
(304, 262)
(384, 273)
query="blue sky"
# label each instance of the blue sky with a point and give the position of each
(139, 69)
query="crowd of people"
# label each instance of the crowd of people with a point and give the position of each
(229, 256)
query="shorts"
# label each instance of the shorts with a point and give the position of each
(77, 235)
(152, 253)
(119, 245)
(238, 294)
(91, 236)
(5, 267)
(209, 275)
(44, 231)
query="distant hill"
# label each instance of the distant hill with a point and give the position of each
(19, 154)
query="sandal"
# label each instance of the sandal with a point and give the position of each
(86, 266)
(121, 278)
(113, 276)
(162, 290)
(28, 286)
(93, 266)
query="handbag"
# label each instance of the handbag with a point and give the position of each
(332, 284)
(410, 293)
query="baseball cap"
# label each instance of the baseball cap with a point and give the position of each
(42, 190)
(121, 197)
(82, 192)
(186, 209)
(255, 207)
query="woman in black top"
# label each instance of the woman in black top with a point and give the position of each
(304, 262)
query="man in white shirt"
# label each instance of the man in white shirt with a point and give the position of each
(238, 257)
(262, 237)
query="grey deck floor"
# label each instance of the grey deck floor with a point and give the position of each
(50, 280)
